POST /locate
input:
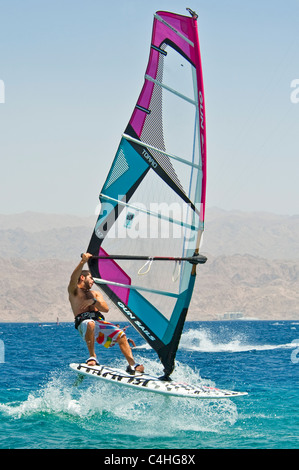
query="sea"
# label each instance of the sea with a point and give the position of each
(43, 405)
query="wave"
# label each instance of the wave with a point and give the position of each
(202, 341)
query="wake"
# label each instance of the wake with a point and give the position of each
(122, 411)
(202, 341)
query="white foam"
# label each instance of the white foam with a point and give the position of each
(201, 340)
(121, 410)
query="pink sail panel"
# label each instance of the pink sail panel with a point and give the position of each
(182, 32)
(110, 271)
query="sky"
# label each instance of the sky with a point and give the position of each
(71, 72)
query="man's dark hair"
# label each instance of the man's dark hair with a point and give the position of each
(84, 273)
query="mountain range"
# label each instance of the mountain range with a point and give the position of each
(252, 267)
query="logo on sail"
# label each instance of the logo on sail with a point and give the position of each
(128, 312)
(149, 158)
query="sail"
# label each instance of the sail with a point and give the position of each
(153, 199)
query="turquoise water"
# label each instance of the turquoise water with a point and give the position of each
(41, 407)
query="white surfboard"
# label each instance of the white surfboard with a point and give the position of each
(148, 383)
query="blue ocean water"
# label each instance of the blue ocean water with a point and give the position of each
(41, 406)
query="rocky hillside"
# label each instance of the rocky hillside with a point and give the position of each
(253, 266)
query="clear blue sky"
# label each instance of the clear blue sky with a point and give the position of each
(73, 70)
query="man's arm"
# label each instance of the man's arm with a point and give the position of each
(76, 273)
(100, 303)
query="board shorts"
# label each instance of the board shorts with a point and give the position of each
(105, 333)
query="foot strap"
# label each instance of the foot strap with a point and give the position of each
(132, 369)
(93, 359)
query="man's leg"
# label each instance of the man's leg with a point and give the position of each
(89, 338)
(127, 352)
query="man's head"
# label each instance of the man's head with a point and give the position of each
(85, 280)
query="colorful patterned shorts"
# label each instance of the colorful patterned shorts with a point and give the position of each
(105, 333)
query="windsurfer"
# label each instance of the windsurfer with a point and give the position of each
(88, 307)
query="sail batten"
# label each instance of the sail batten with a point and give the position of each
(171, 90)
(129, 286)
(158, 215)
(174, 157)
(153, 199)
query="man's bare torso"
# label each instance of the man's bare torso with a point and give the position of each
(78, 300)
(81, 297)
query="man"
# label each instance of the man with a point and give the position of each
(131, 341)
(87, 306)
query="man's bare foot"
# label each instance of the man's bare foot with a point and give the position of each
(136, 368)
(92, 361)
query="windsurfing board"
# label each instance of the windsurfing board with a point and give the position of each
(148, 383)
